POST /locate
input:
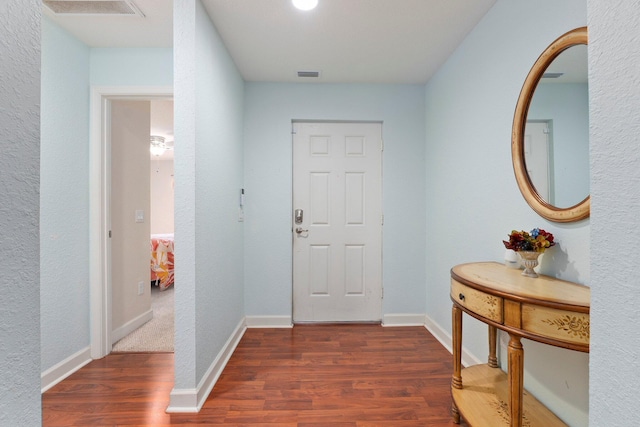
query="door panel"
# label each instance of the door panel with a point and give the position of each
(337, 248)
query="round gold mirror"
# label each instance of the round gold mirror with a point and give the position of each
(550, 137)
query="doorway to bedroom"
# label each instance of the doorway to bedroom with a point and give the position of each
(142, 225)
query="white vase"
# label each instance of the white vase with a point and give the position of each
(529, 260)
(511, 259)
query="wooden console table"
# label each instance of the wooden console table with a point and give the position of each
(543, 309)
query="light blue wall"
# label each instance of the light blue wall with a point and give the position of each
(219, 166)
(269, 109)
(614, 86)
(132, 66)
(64, 195)
(69, 68)
(567, 105)
(208, 166)
(470, 104)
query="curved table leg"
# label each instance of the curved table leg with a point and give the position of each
(456, 381)
(493, 359)
(455, 413)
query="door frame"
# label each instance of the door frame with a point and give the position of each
(342, 121)
(100, 205)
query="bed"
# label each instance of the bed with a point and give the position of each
(162, 260)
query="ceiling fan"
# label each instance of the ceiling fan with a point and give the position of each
(158, 145)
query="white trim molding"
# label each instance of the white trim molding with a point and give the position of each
(403, 320)
(131, 326)
(62, 370)
(445, 339)
(269, 322)
(191, 400)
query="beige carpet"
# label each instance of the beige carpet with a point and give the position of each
(157, 333)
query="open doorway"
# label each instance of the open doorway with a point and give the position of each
(151, 329)
(102, 98)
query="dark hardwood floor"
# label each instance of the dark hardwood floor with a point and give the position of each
(308, 376)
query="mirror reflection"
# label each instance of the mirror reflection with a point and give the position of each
(556, 137)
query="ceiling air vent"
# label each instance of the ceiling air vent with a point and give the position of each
(93, 7)
(552, 75)
(308, 73)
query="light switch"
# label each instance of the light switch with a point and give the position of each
(139, 215)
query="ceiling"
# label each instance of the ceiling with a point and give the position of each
(347, 41)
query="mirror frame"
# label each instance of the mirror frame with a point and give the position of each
(537, 203)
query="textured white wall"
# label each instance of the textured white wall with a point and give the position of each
(614, 60)
(470, 104)
(19, 209)
(269, 110)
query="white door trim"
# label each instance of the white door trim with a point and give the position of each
(99, 205)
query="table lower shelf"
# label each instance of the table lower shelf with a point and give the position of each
(484, 400)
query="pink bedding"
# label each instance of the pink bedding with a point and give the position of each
(162, 260)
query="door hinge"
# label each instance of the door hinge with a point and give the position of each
(382, 220)
(382, 145)
(382, 296)
(109, 233)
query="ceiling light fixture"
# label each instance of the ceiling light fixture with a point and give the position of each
(157, 147)
(305, 4)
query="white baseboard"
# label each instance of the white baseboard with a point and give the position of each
(191, 400)
(130, 326)
(445, 339)
(269, 322)
(62, 370)
(403, 320)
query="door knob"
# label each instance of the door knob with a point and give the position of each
(299, 230)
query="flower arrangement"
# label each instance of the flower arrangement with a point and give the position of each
(537, 240)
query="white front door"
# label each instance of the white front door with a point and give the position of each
(337, 234)
(537, 158)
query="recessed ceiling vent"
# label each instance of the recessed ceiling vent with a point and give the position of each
(93, 7)
(308, 73)
(552, 75)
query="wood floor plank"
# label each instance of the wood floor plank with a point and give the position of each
(307, 376)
